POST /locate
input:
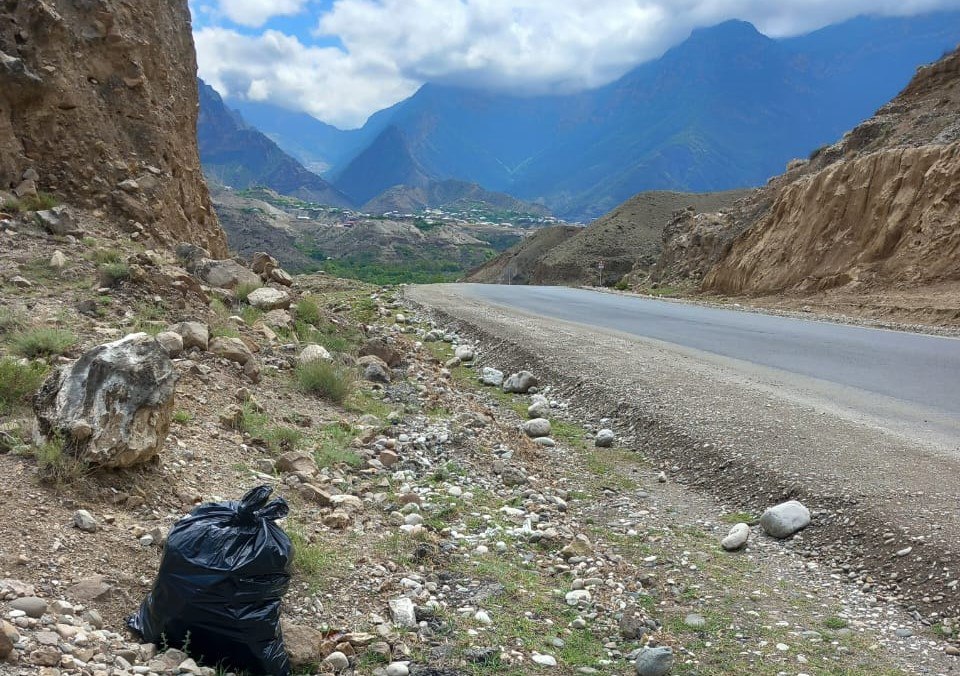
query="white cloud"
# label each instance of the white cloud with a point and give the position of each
(530, 46)
(255, 13)
(323, 81)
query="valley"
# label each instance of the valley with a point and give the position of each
(479, 466)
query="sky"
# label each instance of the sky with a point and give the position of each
(342, 60)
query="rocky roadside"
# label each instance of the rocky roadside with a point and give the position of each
(441, 525)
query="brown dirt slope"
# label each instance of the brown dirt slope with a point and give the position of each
(628, 236)
(95, 93)
(516, 264)
(878, 210)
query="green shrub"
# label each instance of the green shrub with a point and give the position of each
(43, 342)
(56, 465)
(112, 274)
(17, 382)
(278, 438)
(334, 448)
(328, 380)
(308, 311)
(182, 417)
(250, 314)
(244, 290)
(621, 284)
(38, 202)
(10, 320)
(106, 256)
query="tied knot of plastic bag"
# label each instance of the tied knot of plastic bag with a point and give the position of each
(254, 507)
(222, 577)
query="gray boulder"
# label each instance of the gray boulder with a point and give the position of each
(111, 407)
(654, 661)
(227, 274)
(491, 376)
(57, 221)
(736, 538)
(464, 353)
(785, 519)
(538, 427)
(194, 334)
(171, 342)
(604, 439)
(233, 349)
(266, 298)
(520, 383)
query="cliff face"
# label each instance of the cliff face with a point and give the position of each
(879, 209)
(98, 104)
(891, 217)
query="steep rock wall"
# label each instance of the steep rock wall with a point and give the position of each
(890, 217)
(99, 99)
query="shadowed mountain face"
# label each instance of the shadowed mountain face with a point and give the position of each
(725, 109)
(239, 156)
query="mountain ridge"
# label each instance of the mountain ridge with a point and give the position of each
(583, 154)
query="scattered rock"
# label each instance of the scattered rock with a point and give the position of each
(171, 342)
(654, 661)
(538, 427)
(84, 520)
(225, 274)
(33, 606)
(736, 538)
(233, 349)
(119, 394)
(58, 261)
(520, 383)
(194, 334)
(267, 298)
(604, 439)
(785, 519)
(544, 660)
(303, 645)
(403, 612)
(314, 353)
(491, 377)
(464, 353)
(396, 669)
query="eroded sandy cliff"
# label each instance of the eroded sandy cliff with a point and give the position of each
(98, 105)
(879, 209)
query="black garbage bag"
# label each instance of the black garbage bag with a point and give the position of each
(224, 570)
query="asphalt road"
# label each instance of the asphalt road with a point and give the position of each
(921, 372)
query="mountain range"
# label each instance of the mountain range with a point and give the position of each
(727, 108)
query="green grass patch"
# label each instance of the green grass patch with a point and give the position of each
(328, 380)
(18, 382)
(106, 256)
(333, 447)
(11, 320)
(182, 417)
(56, 465)
(42, 342)
(277, 438)
(308, 310)
(112, 274)
(739, 517)
(835, 622)
(244, 290)
(39, 202)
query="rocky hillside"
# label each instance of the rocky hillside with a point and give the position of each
(517, 264)
(95, 99)
(627, 238)
(876, 210)
(237, 155)
(449, 195)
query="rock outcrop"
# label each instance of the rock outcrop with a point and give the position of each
(98, 104)
(877, 210)
(112, 407)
